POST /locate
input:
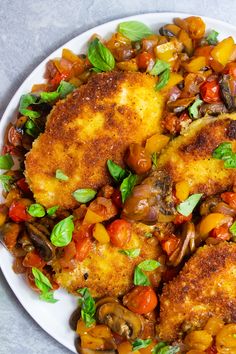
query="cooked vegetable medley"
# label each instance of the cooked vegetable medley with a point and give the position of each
(119, 186)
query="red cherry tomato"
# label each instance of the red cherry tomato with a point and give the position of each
(143, 60)
(170, 244)
(210, 91)
(17, 211)
(231, 69)
(180, 219)
(23, 185)
(58, 78)
(119, 232)
(221, 233)
(83, 241)
(229, 198)
(141, 300)
(32, 259)
(116, 198)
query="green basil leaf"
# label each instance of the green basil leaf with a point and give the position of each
(88, 307)
(36, 210)
(212, 37)
(100, 56)
(49, 96)
(149, 265)
(127, 186)
(140, 278)
(232, 229)
(186, 207)
(231, 162)
(148, 234)
(25, 102)
(48, 297)
(84, 195)
(61, 175)
(6, 182)
(116, 171)
(6, 162)
(193, 109)
(154, 159)
(51, 211)
(223, 151)
(31, 128)
(65, 88)
(157, 347)
(167, 349)
(159, 67)
(132, 253)
(163, 80)
(62, 232)
(134, 30)
(140, 343)
(41, 281)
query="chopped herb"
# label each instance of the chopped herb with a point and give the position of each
(186, 207)
(154, 159)
(163, 80)
(140, 277)
(148, 234)
(149, 265)
(6, 162)
(6, 182)
(224, 152)
(163, 348)
(232, 229)
(134, 30)
(84, 195)
(51, 211)
(44, 285)
(25, 102)
(31, 128)
(88, 307)
(61, 175)
(159, 67)
(127, 186)
(65, 88)
(140, 343)
(48, 297)
(132, 253)
(49, 96)
(212, 37)
(100, 56)
(116, 171)
(36, 210)
(193, 109)
(62, 232)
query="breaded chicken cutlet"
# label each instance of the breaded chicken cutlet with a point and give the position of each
(204, 288)
(95, 123)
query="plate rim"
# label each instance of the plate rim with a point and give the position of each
(8, 113)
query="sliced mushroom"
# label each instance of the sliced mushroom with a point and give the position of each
(74, 318)
(105, 300)
(81, 350)
(228, 91)
(209, 204)
(212, 109)
(120, 320)
(37, 233)
(26, 243)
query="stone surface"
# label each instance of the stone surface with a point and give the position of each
(30, 30)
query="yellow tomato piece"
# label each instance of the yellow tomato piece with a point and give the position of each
(156, 142)
(211, 221)
(226, 339)
(126, 348)
(214, 325)
(195, 64)
(223, 50)
(166, 51)
(90, 342)
(91, 217)
(100, 233)
(182, 190)
(198, 340)
(187, 41)
(101, 331)
(173, 80)
(129, 65)
(69, 55)
(81, 327)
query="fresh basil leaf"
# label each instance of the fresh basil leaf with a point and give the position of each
(6, 182)
(31, 128)
(140, 278)
(148, 234)
(116, 171)
(41, 281)
(100, 56)
(25, 102)
(159, 67)
(193, 109)
(132, 253)
(231, 162)
(84, 195)
(140, 343)
(61, 175)
(62, 232)
(36, 210)
(157, 347)
(88, 307)
(232, 229)
(163, 80)
(223, 151)
(51, 211)
(154, 159)
(186, 207)
(212, 37)
(167, 349)
(127, 186)
(6, 162)
(65, 88)
(49, 96)
(48, 297)
(149, 265)
(134, 30)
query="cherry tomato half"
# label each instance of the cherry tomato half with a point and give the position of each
(210, 91)
(170, 244)
(119, 232)
(143, 60)
(83, 241)
(229, 198)
(17, 211)
(221, 233)
(141, 299)
(32, 259)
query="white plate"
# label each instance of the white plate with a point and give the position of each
(53, 318)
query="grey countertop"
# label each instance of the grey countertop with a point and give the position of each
(30, 30)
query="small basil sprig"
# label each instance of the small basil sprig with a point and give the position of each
(61, 175)
(159, 67)
(163, 80)
(186, 207)
(6, 162)
(127, 186)
(44, 285)
(140, 277)
(62, 91)
(132, 253)
(31, 128)
(224, 152)
(84, 195)
(232, 229)
(51, 211)
(134, 30)
(36, 210)
(140, 343)
(193, 109)
(212, 37)
(100, 56)
(88, 307)
(163, 348)
(6, 182)
(154, 159)
(25, 102)
(62, 232)
(116, 171)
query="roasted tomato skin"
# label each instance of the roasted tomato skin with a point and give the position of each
(229, 198)
(17, 211)
(119, 232)
(138, 159)
(141, 300)
(83, 241)
(210, 91)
